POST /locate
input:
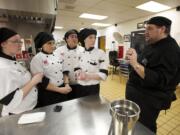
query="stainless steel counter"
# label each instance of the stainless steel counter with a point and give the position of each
(84, 116)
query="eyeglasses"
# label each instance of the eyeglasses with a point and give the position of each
(15, 42)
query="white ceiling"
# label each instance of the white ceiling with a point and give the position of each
(117, 11)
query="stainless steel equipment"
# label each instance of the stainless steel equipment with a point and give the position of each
(124, 114)
(82, 116)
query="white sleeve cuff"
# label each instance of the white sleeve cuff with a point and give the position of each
(102, 75)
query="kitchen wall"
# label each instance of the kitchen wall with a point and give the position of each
(59, 34)
(127, 27)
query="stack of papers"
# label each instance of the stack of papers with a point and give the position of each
(32, 118)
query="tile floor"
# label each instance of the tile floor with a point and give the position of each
(168, 124)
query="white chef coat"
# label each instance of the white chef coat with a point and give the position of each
(13, 76)
(51, 66)
(71, 58)
(93, 61)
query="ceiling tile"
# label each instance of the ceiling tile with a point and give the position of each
(116, 10)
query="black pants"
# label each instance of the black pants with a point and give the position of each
(73, 94)
(88, 90)
(46, 97)
(149, 114)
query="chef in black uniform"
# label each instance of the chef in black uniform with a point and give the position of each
(93, 64)
(55, 84)
(17, 87)
(70, 54)
(155, 73)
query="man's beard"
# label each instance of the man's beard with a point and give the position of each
(151, 41)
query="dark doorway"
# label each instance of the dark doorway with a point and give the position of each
(138, 41)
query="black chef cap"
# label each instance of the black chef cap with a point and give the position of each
(69, 32)
(42, 38)
(6, 33)
(160, 21)
(84, 33)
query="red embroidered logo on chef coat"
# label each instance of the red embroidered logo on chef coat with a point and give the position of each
(45, 62)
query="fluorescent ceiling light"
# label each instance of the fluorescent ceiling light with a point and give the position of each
(101, 24)
(153, 6)
(58, 27)
(92, 16)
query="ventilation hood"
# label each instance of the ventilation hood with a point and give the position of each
(41, 13)
(36, 6)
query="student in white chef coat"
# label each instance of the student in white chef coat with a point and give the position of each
(70, 54)
(55, 83)
(93, 64)
(17, 91)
